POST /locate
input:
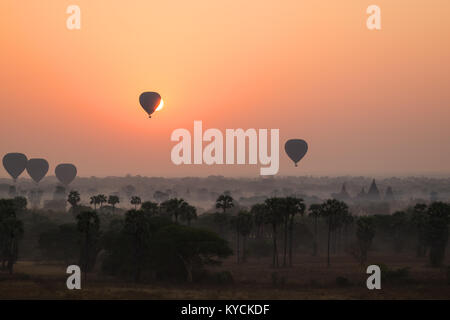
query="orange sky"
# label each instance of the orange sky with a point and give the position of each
(367, 102)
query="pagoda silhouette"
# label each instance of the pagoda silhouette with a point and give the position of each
(362, 194)
(389, 196)
(373, 193)
(342, 195)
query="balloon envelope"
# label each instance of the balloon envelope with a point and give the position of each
(37, 169)
(15, 164)
(149, 101)
(65, 172)
(296, 149)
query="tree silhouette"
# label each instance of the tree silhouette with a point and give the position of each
(221, 220)
(398, 226)
(11, 231)
(419, 219)
(20, 203)
(332, 210)
(88, 225)
(294, 206)
(174, 207)
(274, 216)
(150, 207)
(347, 221)
(113, 200)
(95, 201)
(242, 223)
(135, 200)
(437, 231)
(73, 198)
(61, 244)
(192, 247)
(365, 231)
(188, 214)
(259, 212)
(224, 202)
(102, 199)
(314, 212)
(138, 227)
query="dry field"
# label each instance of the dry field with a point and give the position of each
(310, 278)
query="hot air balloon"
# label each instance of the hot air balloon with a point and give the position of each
(37, 169)
(65, 172)
(296, 149)
(150, 102)
(15, 164)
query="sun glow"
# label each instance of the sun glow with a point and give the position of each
(160, 106)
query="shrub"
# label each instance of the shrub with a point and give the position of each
(400, 275)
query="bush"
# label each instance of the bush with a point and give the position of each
(167, 251)
(400, 275)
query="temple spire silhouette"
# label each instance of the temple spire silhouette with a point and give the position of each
(373, 193)
(389, 196)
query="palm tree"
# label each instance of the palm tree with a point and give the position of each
(314, 212)
(224, 202)
(73, 198)
(347, 220)
(113, 200)
(138, 227)
(174, 207)
(88, 224)
(295, 206)
(274, 218)
(95, 201)
(150, 207)
(102, 199)
(332, 210)
(364, 234)
(259, 211)
(222, 220)
(419, 218)
(135, 200)
(188, 213)
(11, 231)
(243, 223)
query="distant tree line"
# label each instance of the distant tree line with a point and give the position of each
(168, 240)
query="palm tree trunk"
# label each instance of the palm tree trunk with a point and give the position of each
(285, 240)
(291, 231)
(315, 237)
(275, 250)
(329, 239)
(244, 256)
